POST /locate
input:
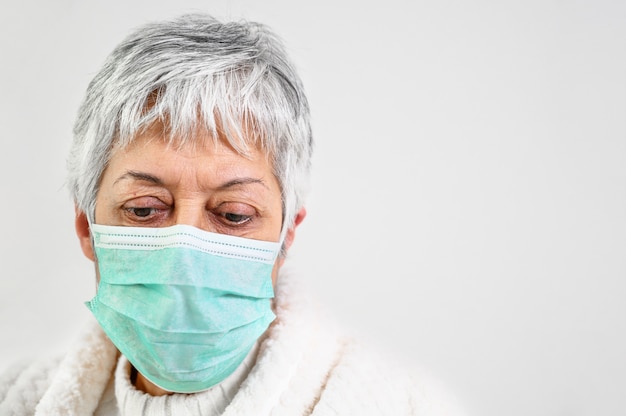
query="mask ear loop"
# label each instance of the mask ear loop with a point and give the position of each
(283, 235)
(93, 241)
(89, 224)
(95, 260)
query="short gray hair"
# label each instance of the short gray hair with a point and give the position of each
(232, 79)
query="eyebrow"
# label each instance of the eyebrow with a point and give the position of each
(241, 181)
(141, 176)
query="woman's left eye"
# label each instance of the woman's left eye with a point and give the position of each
(236, 218)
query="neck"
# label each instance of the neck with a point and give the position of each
(143, 384)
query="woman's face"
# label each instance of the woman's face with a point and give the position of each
(207, 185)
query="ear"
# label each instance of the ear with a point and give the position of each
(84, 235)
(291, 233)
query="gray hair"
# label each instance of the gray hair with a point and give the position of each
(194, 72)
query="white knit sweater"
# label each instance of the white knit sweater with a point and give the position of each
(303, 367)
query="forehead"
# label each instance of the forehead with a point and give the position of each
(204, 153)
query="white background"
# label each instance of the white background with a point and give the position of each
(468, 203)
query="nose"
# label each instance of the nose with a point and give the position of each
(192, 213)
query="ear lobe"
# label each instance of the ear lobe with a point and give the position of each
(84, 234)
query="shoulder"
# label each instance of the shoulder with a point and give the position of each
(68, 385)
(365, 380)
(336, 372)
(24, 383)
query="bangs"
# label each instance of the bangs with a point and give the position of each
(247, 108)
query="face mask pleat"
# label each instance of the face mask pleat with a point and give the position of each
(179, 266)
(215, 354)
(176, 308)
(197, 380)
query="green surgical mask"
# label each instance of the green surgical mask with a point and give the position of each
(185, 306)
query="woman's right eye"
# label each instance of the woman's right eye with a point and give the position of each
(145, 209)
(142, 212)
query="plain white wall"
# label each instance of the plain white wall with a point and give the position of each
(468, 198)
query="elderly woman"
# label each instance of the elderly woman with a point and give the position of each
(189, 170)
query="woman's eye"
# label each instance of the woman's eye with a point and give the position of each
(145, 209)
(236, 218)
(142, 212)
